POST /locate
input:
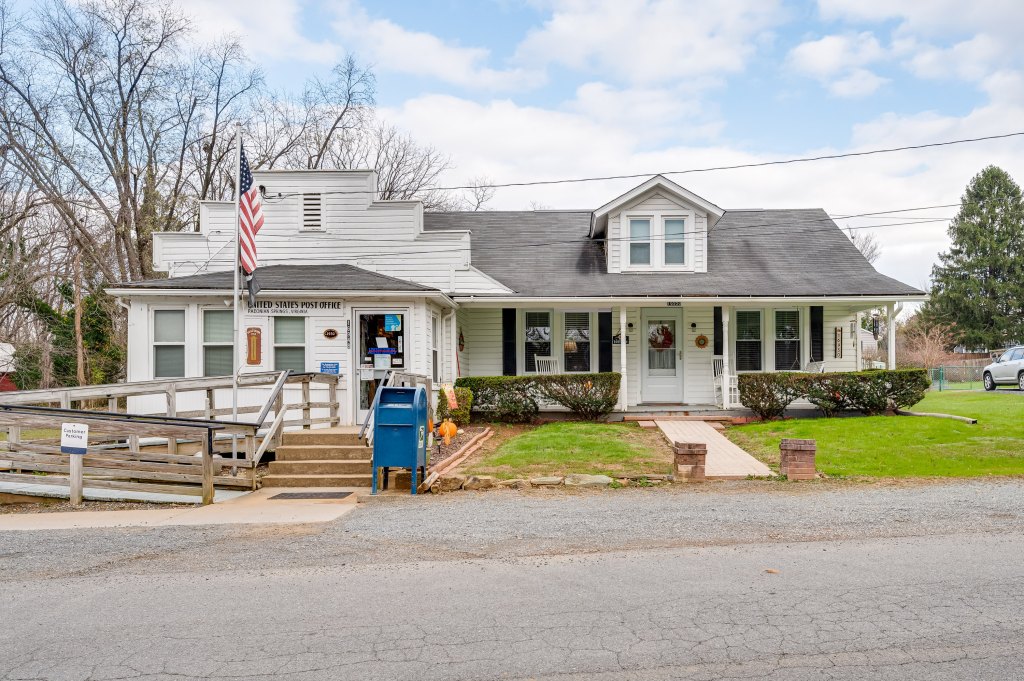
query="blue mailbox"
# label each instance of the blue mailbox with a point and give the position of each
(400, 432)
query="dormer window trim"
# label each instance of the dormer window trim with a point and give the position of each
(662, 244)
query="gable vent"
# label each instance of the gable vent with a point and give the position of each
(311, 218)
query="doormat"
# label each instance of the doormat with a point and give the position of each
(311, 495)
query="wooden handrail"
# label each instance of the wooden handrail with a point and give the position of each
(272, 399)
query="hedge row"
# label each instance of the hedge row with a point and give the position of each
(516, 399)
(870, 392)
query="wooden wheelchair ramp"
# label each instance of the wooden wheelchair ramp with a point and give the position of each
(725, 461)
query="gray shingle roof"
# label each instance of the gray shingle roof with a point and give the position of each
(750, 253)
(291, 278)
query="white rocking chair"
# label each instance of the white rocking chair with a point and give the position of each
(546, 365)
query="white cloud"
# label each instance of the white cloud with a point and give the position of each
(838, 62)
(390, 47)
(642, 42)
(269, 29)
(970, 60)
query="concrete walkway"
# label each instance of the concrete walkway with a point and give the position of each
(253, 508)
(725, 460)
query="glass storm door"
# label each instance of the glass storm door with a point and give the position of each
(662, 356)
(381, 346)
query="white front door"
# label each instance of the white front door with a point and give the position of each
(662, 356)
(381, 344)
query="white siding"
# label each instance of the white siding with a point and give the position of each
(481, 331)
(383, 236)
(698, 376)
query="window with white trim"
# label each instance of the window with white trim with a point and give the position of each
(537, 338)
(435, 363)
(168, 344)
(748, 340)
(576, 344)
(290, 344)
(787, 340)
(639, 241)
(218, 350)
(675, 241)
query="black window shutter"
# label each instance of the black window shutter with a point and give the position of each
(817, 333)
(604, 341)
(719, 341)
(508, 341)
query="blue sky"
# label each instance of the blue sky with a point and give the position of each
(518, 90)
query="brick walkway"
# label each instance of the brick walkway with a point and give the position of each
(725, 460)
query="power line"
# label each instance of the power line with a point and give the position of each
(688, 171)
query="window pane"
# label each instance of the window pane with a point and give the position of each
(217, 326)
(640, 254)
(640, 229)
(748, 325)
(577, 341)
(293, 359)
(787, 324)
(748, 355)
(538, 337)
(169, 361)
(787, 355)
(661, 347)
(217, 360)
(437, 366)
(169, 326)
(289, 329)
(675, 229)
(675, 254)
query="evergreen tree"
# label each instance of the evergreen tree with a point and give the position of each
(978, 285)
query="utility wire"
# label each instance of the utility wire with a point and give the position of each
(708, 169)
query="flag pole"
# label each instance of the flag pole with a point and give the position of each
(236, 363)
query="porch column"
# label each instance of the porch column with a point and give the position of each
(891, 335)
(725, 357)
(623, 399)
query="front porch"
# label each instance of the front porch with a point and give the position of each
(673, 355)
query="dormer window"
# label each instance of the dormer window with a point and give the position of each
(311, 213)
(658, 242)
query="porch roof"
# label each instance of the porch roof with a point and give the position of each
(337, 277)
(751, 253)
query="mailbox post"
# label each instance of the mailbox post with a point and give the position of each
(400, 433)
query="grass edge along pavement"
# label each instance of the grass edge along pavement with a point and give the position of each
(565, 447)
(907, 446)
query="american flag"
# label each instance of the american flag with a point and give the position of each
(251, 216)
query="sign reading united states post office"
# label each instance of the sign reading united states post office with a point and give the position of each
(298, 307)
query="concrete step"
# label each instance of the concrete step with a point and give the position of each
(322, 453)
(317, 480)
(320, 467)
(314, 437)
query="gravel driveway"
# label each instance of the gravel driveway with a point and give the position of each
(508, 523)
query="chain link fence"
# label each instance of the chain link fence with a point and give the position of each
(962, 377)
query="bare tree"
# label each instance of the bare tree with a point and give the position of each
(480, 192)
(867, 244)
(923, 345)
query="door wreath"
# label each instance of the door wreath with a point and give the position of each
(701, 341)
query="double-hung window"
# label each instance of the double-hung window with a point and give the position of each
(787, 340)
(537, 339)
(576, 346)
(748, 340)
(290, 344)
(169, 344)
(675, 241)
(435, 364)
(639, 241)
(218, 350)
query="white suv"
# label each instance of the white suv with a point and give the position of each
(1008, 369)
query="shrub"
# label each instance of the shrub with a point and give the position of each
(870, 392)
(510, 399)
(767, 394)
(459, 416)
(514, 399)
(589, 396)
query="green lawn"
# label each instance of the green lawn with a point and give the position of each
(908, 446)
(570, 447)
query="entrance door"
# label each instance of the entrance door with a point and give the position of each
(382, 346)
(662, 356)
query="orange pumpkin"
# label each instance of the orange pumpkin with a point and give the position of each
(448, 430)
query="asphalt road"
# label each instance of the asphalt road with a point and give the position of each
(893, 601)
